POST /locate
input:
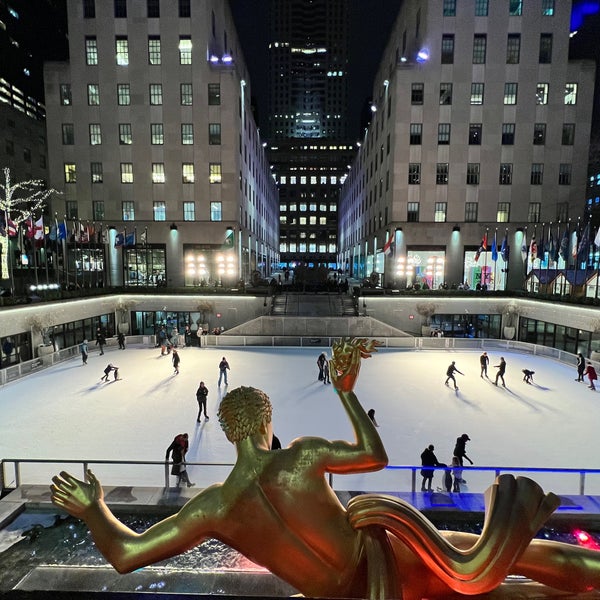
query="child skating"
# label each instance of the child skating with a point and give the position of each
(110, 367)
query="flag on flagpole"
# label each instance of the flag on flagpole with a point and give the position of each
(39, 234)
(584, 244)
(30, 229)
(504, 248)
(62, 231)
(533, 249)
(120, 239)
(551, 246)
(574, 242)
(524, 249)
(144, 236)
(130, 239)
(597, 239)
(563, 249)
(494, 249)
(387, 248)
(482, 248)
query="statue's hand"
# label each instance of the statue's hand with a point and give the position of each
(74, 495)
(345, 364)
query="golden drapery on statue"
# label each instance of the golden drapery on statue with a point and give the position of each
(276, 508)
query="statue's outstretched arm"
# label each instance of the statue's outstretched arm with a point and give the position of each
(125, 549)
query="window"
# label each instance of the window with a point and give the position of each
(10, 147)
(515, 8)
(91, 50)
(126, 172)
(156, 93)
(562, 211)
(153, 9)
(568, 134)
(214, 173)
(541, 93)
(537, 174)
(157, 134)
(70, 173)
(216, 211)
(416, 93)
(513, 48)
(186, 94)
(533, 214)
(439, 215)
(447, 49)
(416, 133)
(564, 174)
(185, 50)
(443, 134)
(71, 209)
(449, 8)
(123, 94)
(154, 55)
(548, 8)
(97, 174)
(93, 94)
(187, 172)
(471, 212)
(98, 210)
(505, 177)
(503, 212)
(570, 93)
(95, 134)
(508, 134)
(214, 94)
(414, 173)
(125, 135)
(545, 48)
(214, 134)
(184, 9)
(122, 48)
(539, 134)
(445, 93)
(510, 93)
(189, 211)
(479, 48)
(477, 93)
(89, 9)
(65, 94)
(128, 210)
(475, 130)
(481, 8)
(159, 210)
(158, 173)
(120, 9)
(473, 173)
(441, 174)
(412, 212)
(187, 134)
(68, 134)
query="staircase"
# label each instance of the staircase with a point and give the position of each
(295, 304)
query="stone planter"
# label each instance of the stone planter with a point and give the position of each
(124, 328)
(45, 350)
(509, 333)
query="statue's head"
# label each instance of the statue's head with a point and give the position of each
(243, 411)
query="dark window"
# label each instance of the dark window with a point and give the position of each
(564, 174)
(120, 9)
(416, 93)
(68, 134)
(214, 94)
(443, 134)
(447, 49)
(568, 134)
(513, 48)
(184, 9)
(153, 8)
(445, 93)
(416, 133)
(449, 8)
(508, 134)
(539, 134)
(473, 174)
(515, 8)
(441, 173)
(475, 134)
(537, 174)
(414, 173)
(505, 177)
(479, 48)
(481, 8)
(412, 212)
(89, 9)
(545, 48)
(471, 212)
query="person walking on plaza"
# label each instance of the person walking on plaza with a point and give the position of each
(501, 370)
(321, 364)
(484, 361)
(580, 367)
(201, 396)
(428, 459)
(121, 340)
(83, 348)
(100, 340)
(178, 449)
(592, 375)
(460, 449)
(223, 366)
(450, 374)
(176, 359)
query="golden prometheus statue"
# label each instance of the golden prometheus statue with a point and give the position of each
(277, 509)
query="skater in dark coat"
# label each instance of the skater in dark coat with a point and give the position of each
(580, 367)
(428, 459)
(178, 448)
(484, 361)
(201, 396)
(528, 375)
(176, 360)
(223, 366)
(450, 374)
(121, 340)
(460, 448)
(501, 370)
(326, 378)
(110, 367)
(321, 364)
(100, 340)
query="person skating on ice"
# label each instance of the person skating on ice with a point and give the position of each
(450, 374)
(121, 340)
(84, 350)
(484, 361)
(326, 378)
(223, 367)
(320, 364)
(501, 370)
(176, 359)
(580, 367)
(178, 449)
(201, 396)
(592, 375)
(110, 367)
(528, 375)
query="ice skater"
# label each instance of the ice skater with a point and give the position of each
(580, 367)
(223, 366)
(484, 361)
(178, 449)
(501, 370)
(110, 367)
(592, 375)
(100, 340)
(201, 396)
(321, 363)
(450, 374)
(528, 375)
(121, 340)
(460, 451)
(84, 349)
(326, 378)
(175, 359)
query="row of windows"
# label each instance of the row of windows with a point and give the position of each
(505, 176)
(513, 49)
(157, 134)
(155, 94)
(515, 8)
(312, 179)
(509, 97)
(508, 132)
(9, 148)
(157, 172)
(312, 207)
(283, 219)
(159, 211)
(152, 9)
(310, 247)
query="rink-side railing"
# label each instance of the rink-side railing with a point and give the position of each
(49, 358)
(126, 475)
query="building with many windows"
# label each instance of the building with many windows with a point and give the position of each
(479, 144)
(152, 140)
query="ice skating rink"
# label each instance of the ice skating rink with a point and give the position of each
(65, 412)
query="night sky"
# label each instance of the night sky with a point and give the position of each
(370, 25)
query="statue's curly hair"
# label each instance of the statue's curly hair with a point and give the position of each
(242, 411)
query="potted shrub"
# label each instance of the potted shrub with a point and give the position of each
(41, 330)
(426, 310)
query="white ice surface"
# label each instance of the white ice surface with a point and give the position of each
(65, 412)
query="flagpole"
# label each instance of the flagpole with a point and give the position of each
(11, 256)
(100, 242)
(45, 250)
(148, 280)
(549, 252)
(495, 261)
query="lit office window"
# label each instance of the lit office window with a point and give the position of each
(439, 215)
(93, 94)
(510, 93)
(157, 134)
(187, 172)
(570, 93)
(95, 134)
(91, 50)
(187, 134)
(515, 8)
(96, 172)
(122, 50)
(189, 211)
(158, 172)
(66, 98)
(541, 93)
(154, 53)
(477, 93)
(216, 211)
(412, 212)
(548, 8)
(128, 210)
(503, 212)
(159, 210)
(445, 94)
(123, 94)
(70, 173)
(443, 134)
(156, 97)
(508, 134)
(214, 173)
(416, 134)
(125, 135)
(185, 50)
(186, 94)
(126, 172)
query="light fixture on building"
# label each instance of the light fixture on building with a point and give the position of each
(173, 227)
(386, 82)
(456, 228)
